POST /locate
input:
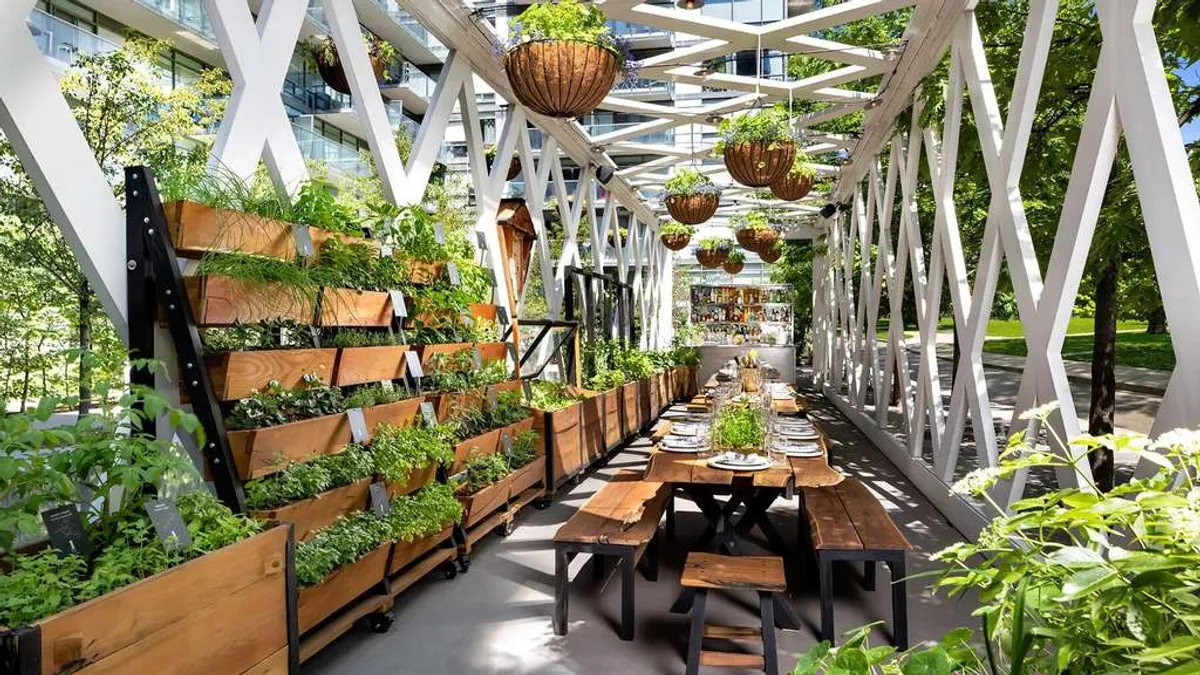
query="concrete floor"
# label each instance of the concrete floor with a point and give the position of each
(496, 618)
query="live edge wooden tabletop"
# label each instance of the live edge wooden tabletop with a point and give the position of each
(687, 468)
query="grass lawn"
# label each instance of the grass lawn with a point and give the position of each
(1012, 328)
(1133, 349)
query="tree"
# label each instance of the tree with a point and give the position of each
(127, 117)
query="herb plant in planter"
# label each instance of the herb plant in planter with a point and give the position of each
(798, 181)
(738, 428)
(692, 198)
(324, 54)
(734, 262)
(758, 146)
(562, 59)
(711, 252)
(676, 236)
(754, 231)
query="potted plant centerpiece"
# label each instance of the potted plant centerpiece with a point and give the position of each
(562, 59)
(711, 252)
(758, 146)
(734, 262)
(692, 198)
(324, 54)
(798, 181)
(676, 236)
(754, 231)
(738, 427)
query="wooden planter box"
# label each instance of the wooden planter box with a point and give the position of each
(346, 307)
(405, 553)
(479, 310)
(399, 414)
(664, 392)
(591, 428)
(613, 427)
(358, 365)
(425, 272)
(483, 444)
(561, 430)
(526, 477)
(259, 452)
(643, 399)
(310, 515)
(225, 612)
(236, 375)
(197, 229)
(478, 506)
(493, 351)
(416, 480)
(341, 587)
(221, 301)
(630, 409)
(655, 391)
(691, 386)
(319, 237)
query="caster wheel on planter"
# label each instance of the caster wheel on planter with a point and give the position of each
(541, 503)
(464, 564)
(506, 529)
(449, 570)
(577, 478)
(380, 623)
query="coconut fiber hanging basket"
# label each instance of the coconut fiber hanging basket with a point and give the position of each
(693, 209)
(758, 164)
(792, 187)
(712, 259)
(561, 78)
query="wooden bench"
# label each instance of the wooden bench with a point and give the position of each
(765, 575)
(847, 523)
(619, 521)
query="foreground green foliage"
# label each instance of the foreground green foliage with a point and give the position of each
(688, 181)
(566, 20)
(399, 451)
(303, 480)
(277, 405)
(771, 125)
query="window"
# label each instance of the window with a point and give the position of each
(70, 11)
(179, 69)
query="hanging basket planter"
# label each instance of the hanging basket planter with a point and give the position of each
(792, 186)
(561, 78)
(676, 236)
(693, 209)
(329, 64)
(733, 267)
(514, 164)
(771, 254)
(754, 232)
(712, 253)
(758, 164)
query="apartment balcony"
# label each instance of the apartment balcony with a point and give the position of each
(638, 36)
(61, 42)
(388, 20)
(644, 89)
(341, 159)
(412, 89)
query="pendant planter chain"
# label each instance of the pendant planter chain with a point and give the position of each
(562, 60)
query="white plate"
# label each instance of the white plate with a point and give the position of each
(799, 449)
(724, 461)
(668, 448)
(689, 442)
(685, 430)
(801, 435)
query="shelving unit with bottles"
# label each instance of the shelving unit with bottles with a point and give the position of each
(736, 314)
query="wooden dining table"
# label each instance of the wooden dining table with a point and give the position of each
(756, 490)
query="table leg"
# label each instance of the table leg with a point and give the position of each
(756, 515)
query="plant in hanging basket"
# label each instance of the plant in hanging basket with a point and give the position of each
(711, 252)
(691, 198)
(676, 236)
(734, 262)
(754, 231)
(324, 54)
(758, 146)
(514, 164)
(798, 181)
(562, 59)
(772, 253)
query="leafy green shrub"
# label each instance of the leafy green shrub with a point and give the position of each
(685, 356)
(689, 181)
(735, 256)
(399, 451)
(278, 334)
(375, 394)
(355, 265)
(349, 538)
(361, 337)
(635, 364)
(952, 654)
(714, 243)
(566, 20)
(551, 395)
(750, 220)
(457, 372)
(802, 165)
(485, 470)
(324, 48)
(672, 227)
(470, 420)
(523, 449)
(293, 288)
(312, 398)
(766, 125)
(303, 480)
(316, 206)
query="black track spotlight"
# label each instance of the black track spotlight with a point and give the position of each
(828, 210)
(604, 174)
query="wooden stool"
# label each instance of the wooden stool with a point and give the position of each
(704, 571)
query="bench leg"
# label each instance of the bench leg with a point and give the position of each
(826, 583)
(899, 604)
(562, 560)
(627, 582)
(671, 515)
(869, 575)
(650, 560)
(696, 638)
(766, 610)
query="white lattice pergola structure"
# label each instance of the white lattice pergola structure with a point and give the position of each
(1130, 96)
